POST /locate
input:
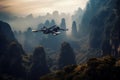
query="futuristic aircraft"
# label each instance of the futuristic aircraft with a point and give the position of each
(54, 30)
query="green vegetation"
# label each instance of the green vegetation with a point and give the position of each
(105, 68)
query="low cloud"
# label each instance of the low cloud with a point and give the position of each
(41, 7)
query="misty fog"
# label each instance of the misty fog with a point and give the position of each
(23, 26)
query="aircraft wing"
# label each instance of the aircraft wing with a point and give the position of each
(64, 29)
(52, 27)
(36, 30)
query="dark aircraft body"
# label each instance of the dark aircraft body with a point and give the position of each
(54, 30)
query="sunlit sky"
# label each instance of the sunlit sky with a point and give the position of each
(41, 7)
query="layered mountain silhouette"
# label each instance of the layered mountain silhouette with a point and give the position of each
(98, 29)
(10, 53)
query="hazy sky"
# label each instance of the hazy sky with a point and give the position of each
(40, 7)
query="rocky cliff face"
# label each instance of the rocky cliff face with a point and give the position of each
(12, 61)
(5, 30)
(10, 53)
(74, 29)
(6, 37)
(92, 8)
(101, 23)
(105, 29)
(39, 67)
(67, 55)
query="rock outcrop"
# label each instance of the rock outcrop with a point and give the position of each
(105, 68)
(39, 66)
(67, 55)
(11, 53)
